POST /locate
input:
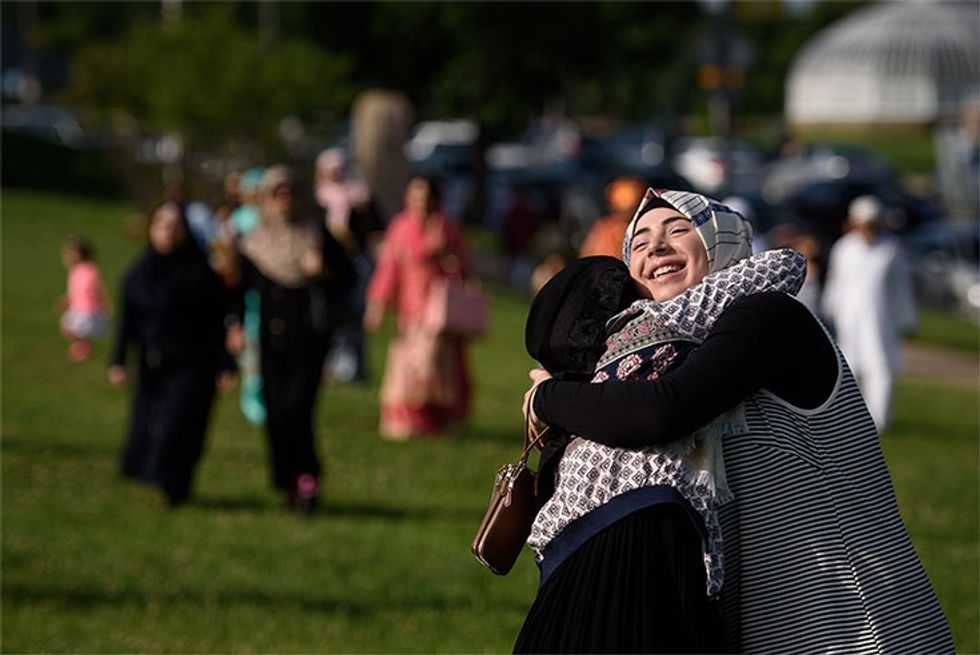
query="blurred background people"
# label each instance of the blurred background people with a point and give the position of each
(85, 303)
(352, 218)
(246, 217)
(197, 214)
(810, 293)
(231, 199)
(172, 309)
(521, 223)
(301, 274)
(426, 384)
(242, 220)
(623, 196)
(869, 300)
(549, 266)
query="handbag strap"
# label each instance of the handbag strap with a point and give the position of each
(528, 442)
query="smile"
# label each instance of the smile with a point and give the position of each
(666, 270)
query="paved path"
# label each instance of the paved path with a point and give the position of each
(941, 364)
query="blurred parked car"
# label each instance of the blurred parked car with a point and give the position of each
(826, 203)
(946, 265)
(548, 146)
(445, 150)
(438, 147)
(628, 150)
(47, 122)
(824, 162)
(714, 167)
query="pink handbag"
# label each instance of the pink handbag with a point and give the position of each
(456, 308)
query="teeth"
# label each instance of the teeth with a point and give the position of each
(663, 270)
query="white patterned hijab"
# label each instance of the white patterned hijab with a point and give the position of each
(726, 235)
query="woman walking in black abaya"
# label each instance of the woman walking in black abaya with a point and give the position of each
(172, 310)
(302, 275)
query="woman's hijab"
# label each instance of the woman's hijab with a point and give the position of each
(566, 325)
(277, 246)
(726, 235)
(160, 275)
(336, 191)
(159, 263)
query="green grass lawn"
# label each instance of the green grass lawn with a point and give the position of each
(95, 564)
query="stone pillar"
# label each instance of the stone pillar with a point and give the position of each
(380, 123)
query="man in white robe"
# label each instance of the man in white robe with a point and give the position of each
(869, 300)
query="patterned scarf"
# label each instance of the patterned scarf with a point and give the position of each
(649, 339)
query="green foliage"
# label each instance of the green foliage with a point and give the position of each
(93, 564)
(207, 78)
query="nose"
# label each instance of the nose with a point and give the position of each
(658, 246)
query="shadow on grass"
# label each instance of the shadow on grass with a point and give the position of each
(87, 599)
(355, 510)
(367, 510)
(17, 445)
(249, 504)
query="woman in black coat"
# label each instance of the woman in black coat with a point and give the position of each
(172, 306)
(302, 275)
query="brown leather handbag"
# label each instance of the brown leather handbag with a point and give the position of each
(513, 506)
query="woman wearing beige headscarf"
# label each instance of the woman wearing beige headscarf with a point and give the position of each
(301, 273)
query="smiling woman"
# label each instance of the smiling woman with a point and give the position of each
(667, 255)
(669, 248)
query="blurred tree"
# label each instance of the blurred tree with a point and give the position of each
(207, 78)
(778, 36)
(497, 62)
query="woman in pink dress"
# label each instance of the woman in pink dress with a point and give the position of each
(426, 387)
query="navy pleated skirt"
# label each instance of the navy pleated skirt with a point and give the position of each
(637, 586)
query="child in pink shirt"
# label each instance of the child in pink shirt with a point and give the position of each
(85, 301)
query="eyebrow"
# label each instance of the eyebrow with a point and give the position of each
(666, 222)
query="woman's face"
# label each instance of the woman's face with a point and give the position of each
(279, 204)
(70, 256)
(667, 256)
(418, 197)
(166, 230)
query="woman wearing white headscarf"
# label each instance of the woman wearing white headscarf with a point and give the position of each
(815, 556)
(352, 218)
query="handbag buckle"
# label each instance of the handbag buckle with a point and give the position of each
(505, 480)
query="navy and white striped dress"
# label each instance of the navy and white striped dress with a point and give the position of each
(813, 497)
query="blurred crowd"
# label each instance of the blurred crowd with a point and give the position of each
(257, 291)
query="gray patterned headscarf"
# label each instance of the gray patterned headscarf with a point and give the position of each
(726, 235)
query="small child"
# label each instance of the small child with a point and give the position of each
(85, 302)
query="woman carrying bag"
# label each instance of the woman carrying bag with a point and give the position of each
(426, 386)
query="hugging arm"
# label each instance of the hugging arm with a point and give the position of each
(766, 340)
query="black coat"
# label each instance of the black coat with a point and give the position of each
(296, 323)
(172, 310)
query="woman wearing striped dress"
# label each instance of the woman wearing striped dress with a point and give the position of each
(816, 557)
